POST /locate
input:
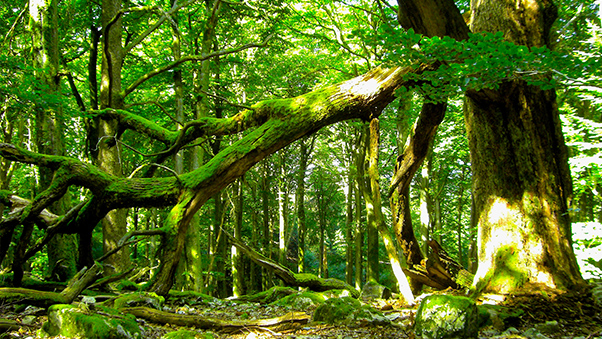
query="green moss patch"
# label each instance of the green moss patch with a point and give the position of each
(73, 322)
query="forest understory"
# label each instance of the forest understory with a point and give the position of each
(532, 314)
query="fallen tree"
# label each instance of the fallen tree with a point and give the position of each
(271, 125)
(229, 326)
(83, 279)
(291, 278)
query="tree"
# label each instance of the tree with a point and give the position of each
(521, 189)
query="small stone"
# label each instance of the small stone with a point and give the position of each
(532, 333)
(88, 300)
(28, 320)
(549, 327)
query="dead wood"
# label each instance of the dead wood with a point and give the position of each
(202, 322)
(440, 270)
(290, 278)
(76, 285)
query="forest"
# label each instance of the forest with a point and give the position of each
(301, 169)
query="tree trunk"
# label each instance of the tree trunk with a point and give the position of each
(521, 177)
(372, 260)
(238, 274)
(49, 128)
(108, 156)
(430, 18)
(359, 232)
(266, 229)
(392, 252)
(349, 226)
(304, 152)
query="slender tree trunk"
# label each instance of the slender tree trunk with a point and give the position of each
(392, 252)
(425, 207)
(267, 233)
(359, 232)
(304, 152)
(521, 189)
(372, 260)
(238, 274)
(255, 274)
(349, 226)
(282, 209)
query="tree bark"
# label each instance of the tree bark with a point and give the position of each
(108, 157)
(520, 163)
(277, 124)
(365, 184)
(392, 253)
(201, 322)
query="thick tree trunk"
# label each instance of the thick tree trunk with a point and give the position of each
(430, 18)
(520, 164)
(108, 147)
(49, 129)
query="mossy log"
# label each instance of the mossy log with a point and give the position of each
(440, 270)
(44, 298)
(201, 322)
(291, 278)
(273, 124)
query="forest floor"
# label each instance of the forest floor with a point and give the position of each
(576, 314)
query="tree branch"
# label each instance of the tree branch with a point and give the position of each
(178, 62)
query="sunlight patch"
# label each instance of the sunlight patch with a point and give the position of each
(361, 87)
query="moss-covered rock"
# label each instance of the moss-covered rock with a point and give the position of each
(146, 299)
(74, 322)
(348, 311)
(301, 301)
(446, 316)
(373, 290)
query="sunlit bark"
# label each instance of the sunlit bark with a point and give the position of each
(520, 164)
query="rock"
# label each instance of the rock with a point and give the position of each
(301, 301)
(533, 333)
(146, 299)
(73, 322)
(373, 290)
(445, 316)
(549, 327)
(349, 311)
(28, 319)
(88, 300)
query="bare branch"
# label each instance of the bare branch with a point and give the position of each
(152, 28)
(176, 63)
